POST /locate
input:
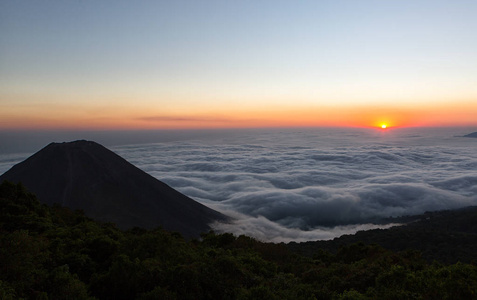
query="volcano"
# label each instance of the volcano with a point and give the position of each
(85, 175)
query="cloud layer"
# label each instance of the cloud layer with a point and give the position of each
(306, 184)
(316, 184)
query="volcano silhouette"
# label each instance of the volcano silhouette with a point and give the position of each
(85, 175)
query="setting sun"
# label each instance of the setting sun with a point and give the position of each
(294, 78)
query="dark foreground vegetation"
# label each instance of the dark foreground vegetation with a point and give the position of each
(448, 236)
(55, 253)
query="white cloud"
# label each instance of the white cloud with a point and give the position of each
(265, 230)
(307, 184)
(312, 185)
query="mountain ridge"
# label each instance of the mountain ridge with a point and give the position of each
(471, 135)
(447, 236)
(85, 175)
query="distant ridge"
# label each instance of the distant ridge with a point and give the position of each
(447, 236)
(471, 135)
(85, 175)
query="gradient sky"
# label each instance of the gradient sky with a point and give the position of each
(188, 64)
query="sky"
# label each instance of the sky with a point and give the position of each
(87, 64)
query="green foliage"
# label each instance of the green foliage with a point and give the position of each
(7, 292)
(444, 236)
(56, 253)
(352, 295)
(61, 284)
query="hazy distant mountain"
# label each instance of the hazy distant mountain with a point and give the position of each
(85, 175)
(471, 135)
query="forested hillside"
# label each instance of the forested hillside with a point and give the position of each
(55, 253)
(448, 236)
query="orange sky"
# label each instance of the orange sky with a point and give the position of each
(130, 117)
(167, 64)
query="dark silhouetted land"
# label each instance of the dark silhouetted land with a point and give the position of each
(85, 175)
(51, 252)
(471, 135)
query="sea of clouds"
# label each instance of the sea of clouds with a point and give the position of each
(283, 185)
(309, 184)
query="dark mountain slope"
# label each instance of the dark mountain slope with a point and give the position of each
(471, 135)
(446, 236)
(85, 175)
(54, 253)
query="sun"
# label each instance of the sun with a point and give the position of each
(384, 126)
